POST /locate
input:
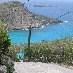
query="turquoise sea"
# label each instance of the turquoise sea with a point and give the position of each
(63, 10)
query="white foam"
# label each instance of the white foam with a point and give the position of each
(12, 30)
(66, 21)
(22, 29)
(42, 26)
(61, 23)
(26, 29)
(47, 24)
(33, 28)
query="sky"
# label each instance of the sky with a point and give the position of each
(38, 1)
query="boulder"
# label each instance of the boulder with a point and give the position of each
(7, 61)
(3, 69)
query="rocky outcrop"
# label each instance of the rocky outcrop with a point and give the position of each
(16, 16)
(3, 69)
(6, 61)
(6, 65)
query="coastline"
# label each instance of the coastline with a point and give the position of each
(27, 28)
(18, 17)
(36, 25)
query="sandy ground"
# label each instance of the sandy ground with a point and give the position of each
(32, 67)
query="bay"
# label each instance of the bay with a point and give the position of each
(48, 32)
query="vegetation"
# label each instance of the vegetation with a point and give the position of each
(59, 51)
(14, 4)
(4, 40)
(4, 44)
(9, 69)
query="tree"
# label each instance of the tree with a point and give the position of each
(4, 41)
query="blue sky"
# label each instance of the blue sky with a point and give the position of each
(38, 0)
(34, 0)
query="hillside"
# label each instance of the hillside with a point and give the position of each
(2, 26)
(17, 16)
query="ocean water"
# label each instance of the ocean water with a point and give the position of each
(63, 10)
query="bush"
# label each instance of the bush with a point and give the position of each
(59, 51)
(9, 69)
(4, 39)
(4, 42)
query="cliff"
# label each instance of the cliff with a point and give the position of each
(16, 16)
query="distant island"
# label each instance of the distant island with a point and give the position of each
(38, 5)
(16, 16)
(44, 5)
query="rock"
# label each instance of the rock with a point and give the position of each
(6, 64)
(6, 61)
(3, 69)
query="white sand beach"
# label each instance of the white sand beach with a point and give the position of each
(32, 67)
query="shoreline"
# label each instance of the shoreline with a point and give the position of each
(26, 27)
(20, 18)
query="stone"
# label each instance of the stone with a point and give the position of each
(3, 69)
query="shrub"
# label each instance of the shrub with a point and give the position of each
(59, 51)
(4, 42)
(9, 69)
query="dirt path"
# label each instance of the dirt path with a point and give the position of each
(31, 67)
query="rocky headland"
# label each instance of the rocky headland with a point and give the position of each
(15, 15)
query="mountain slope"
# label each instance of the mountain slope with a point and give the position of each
(17, 16)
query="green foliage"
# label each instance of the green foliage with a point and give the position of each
(13, 50)
(4, 40)
(59, 51)
(2, 27)
(9, 69)
(4, 44)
